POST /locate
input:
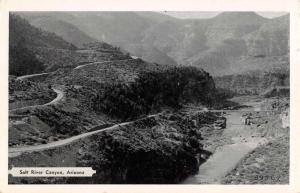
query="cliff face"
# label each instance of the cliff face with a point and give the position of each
(253, 82)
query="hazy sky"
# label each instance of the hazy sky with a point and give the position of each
(200, 14)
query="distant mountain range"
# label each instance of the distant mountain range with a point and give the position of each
(220, 45)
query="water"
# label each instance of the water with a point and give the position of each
(228, 156)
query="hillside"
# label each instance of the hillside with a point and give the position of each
(67, 31)
(21, 31)
(271, 39)
(26, 44)
(150, 54)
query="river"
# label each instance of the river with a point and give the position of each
(227, 156)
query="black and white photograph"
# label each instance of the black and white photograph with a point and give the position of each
(149, 97)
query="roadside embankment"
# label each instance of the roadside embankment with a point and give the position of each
(165, 149)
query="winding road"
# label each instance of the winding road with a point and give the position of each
(60, 93)
(16, 151)
(31, 76)
(84, 65)
(59, 97)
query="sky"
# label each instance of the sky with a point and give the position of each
(201, 14)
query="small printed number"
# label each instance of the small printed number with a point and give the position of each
(267, 177)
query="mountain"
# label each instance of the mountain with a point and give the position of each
(232, 25)
(216, 44)
(271, 39)
(117, 28)
(111, 27)
(67, 31)
(24, 41)
(21, 30)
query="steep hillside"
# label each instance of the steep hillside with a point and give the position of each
(21, 31)
(24, 41)
(67, 31)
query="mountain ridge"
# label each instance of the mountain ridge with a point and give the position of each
(214, 44)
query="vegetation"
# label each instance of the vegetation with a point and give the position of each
(22, 61)
(101, 46)
(152, 90)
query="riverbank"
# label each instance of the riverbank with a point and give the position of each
(269, 163)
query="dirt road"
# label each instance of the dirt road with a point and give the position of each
(84, 65)
(59, 97)
(31, 76)
(13, 152)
